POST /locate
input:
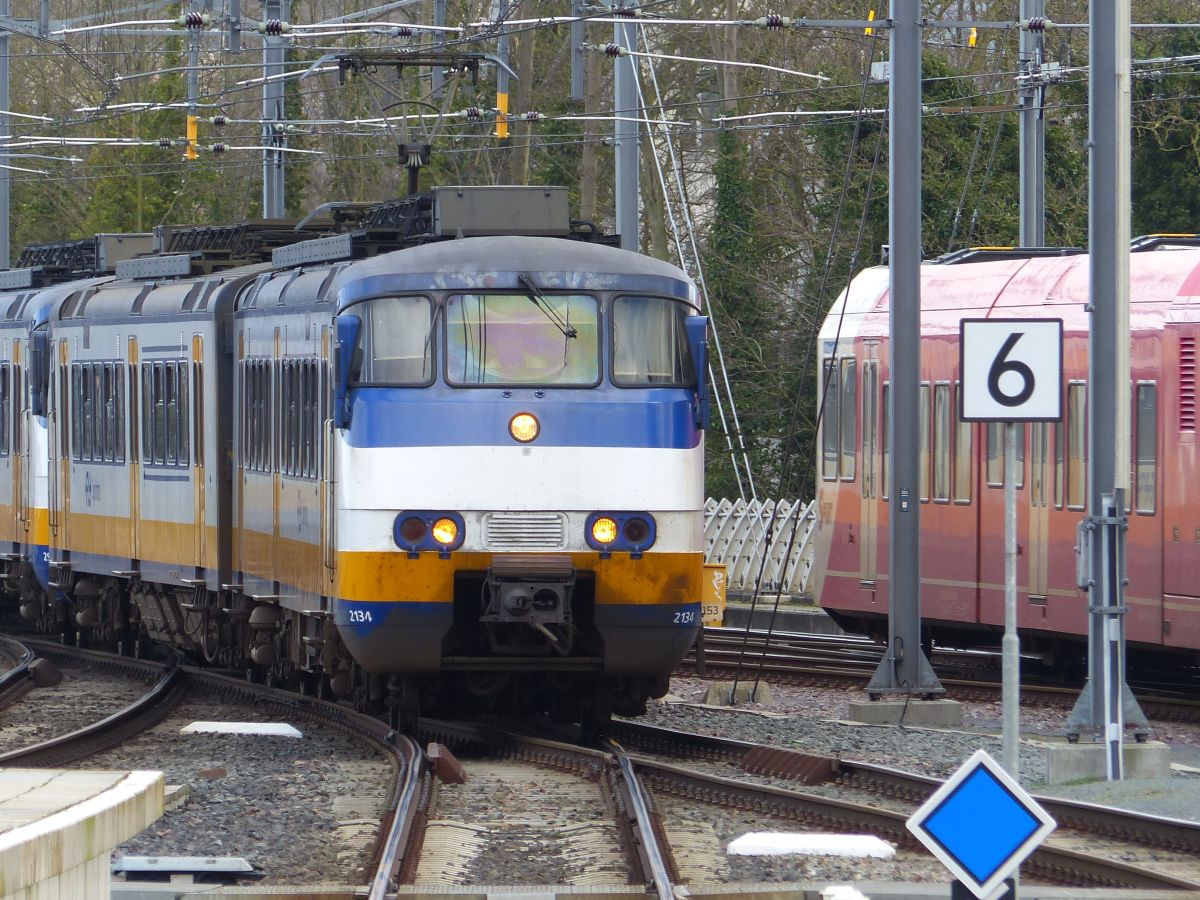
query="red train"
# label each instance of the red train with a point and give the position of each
(962, 463)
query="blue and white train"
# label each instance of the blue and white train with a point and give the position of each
(394, 464)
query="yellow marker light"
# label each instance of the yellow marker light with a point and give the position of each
(604, 530)
(445, 532)
(974, 38)
(870, 18)
(524, 427)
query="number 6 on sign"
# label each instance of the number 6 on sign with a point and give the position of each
(1011, 370)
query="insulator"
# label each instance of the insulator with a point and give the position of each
(1036, 23)
(402, 31)
(219, 121)
(533, 116)
(773, 22)
(193, 21)
(473, 114)
(275, 27)
(218, 149)
(612, 50)
(164, 143)
(630, 12)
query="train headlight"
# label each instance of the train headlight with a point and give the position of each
(610, 532)
(445, 531)
(416, 529)
(412, 530)
(604, 530)
(636, 530)
(524, 427)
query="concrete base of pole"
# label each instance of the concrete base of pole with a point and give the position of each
(1067, 763)
(723, 693)
(932, 713)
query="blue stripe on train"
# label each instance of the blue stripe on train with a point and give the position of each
(659, 418)
(363, 617)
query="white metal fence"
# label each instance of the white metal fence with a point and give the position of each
(738, 535)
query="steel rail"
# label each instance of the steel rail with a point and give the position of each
(1058, 863)
(648, 839)
(1143, 828)
(17, 681)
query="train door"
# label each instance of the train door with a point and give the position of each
(1180, 470)
(1037, 561)
(200, 531)
(991, 520)
(133, 408)
(276, 474)
(23, 450)
(328, 499)
(869, 498)
(60, 464)
(10, 439)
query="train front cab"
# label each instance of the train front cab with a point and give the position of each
(514, 523)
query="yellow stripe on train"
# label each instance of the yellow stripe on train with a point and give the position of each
(391, 577)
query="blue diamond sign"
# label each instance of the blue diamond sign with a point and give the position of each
(981, 824)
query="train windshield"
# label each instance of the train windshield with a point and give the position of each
(395, 341)
(519, 339)
(650, 345)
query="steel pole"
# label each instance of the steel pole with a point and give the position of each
(904, 668)
(625, 96)
(1033, 133)
(274, 53)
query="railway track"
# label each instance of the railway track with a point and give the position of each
(171, 685)
(648, 770)
(967, 675)
(1170, 847)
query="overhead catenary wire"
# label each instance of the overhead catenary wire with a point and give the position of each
(696, 268)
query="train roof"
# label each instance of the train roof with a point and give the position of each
(1164, 283)
(497, 262)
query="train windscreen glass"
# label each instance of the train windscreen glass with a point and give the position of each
(396, 341)
(522, 339)
(650, 346)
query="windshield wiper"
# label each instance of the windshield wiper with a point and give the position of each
(539, 300)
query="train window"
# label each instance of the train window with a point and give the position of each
(118, 401)
(847, 438)
(941, 442)
(5, 408)
(88, 421)
(995, 455)
(183, 395)
(1059, 447)
(76, 409)
(831, 420)
(1145, 451)
(108, 412)
(1076, 445)
(396, 340)
(64, 418)
(147, 413)
(884, 438)
(312, 420)
(650, 345)
(870, 436)
(962, 452)
(494, 339)
(287, 400)
(1038, 439)
(924, 401)
(171, 412)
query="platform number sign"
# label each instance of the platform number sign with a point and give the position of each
(1011, 370)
